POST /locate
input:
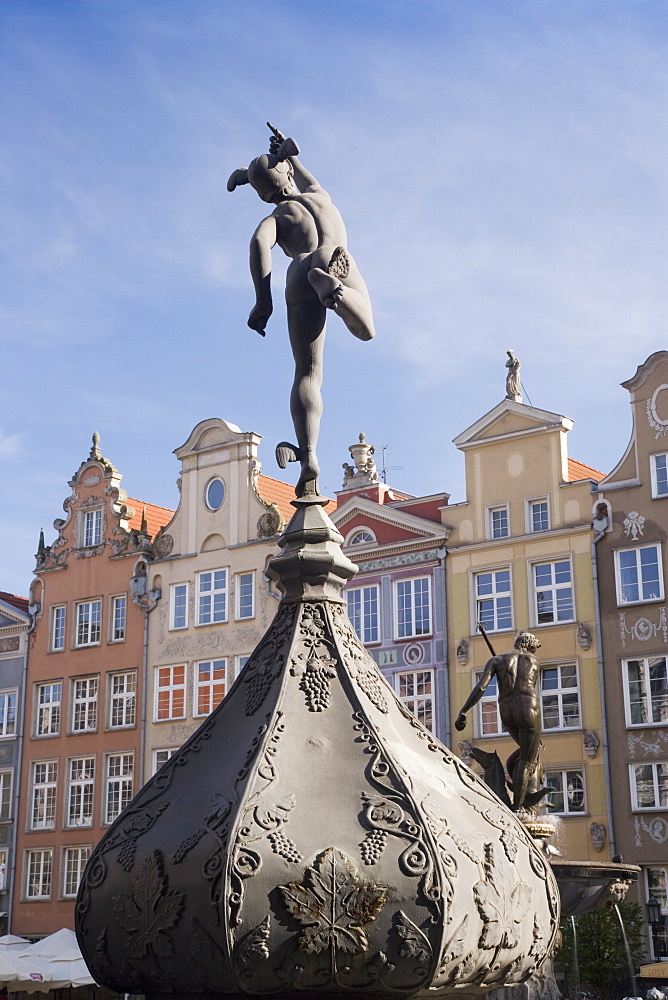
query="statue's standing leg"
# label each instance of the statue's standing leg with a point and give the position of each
(306, 326)
(523, 771)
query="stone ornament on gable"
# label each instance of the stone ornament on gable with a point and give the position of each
(163, 544)
(653, 418)
(643, 629)
(463, 648)
(597, 836)
(583, 636)
(590, 742)
(269, 523)
(91, 481)
(633, 524)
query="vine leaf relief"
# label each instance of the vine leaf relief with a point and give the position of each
(414, 942)
(333, 903)
(254, 944)
(149, 911)
(502, 903)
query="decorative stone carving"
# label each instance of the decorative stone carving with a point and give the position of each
(163, 544)
(656, 422)
(643, 629)
(583, 636)
(513, 384)
(597, 836)
(656, 827)
(615, 893)
(364, 472)
(91, 481)
(463, 651)
(633, 525)
(269, 524)
(406, 559)
(465, 747)
(591, 742)
(642, 740)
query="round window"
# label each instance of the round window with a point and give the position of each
(215, 494)
(362, 537)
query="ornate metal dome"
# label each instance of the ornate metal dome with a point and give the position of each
(312, 835)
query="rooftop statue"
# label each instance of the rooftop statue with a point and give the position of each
(323, 275)
(513, 384)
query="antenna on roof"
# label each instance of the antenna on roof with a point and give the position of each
(387, 468)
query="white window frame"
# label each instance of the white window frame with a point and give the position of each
(203, 685)
(411, 581)
(88, 624)
(209, 593)
(369, 595)
(4, 881)
(494, 597)
(84, 695)
(170, 688)
(80, 797)
(530, 503)
(554, 588)
(9, 704)
(646, 663)
(618, 574)
(237, 596)
(91, 528)
(355, 537)
(58, 630)
(415, 699)
(44, 871)
(118, 617)
(124, 782)
(43, 795)
(238, 666)
(633, 781)
(124, 698)
(492, 531)
(6, 794)
(660, 893)
(172, 606)
(169, 751)
(490, 702)
(81, 859)
(657, 495)
(48, 714)
(559, 692)
(564, 772)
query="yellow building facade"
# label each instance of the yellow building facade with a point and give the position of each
(520, 558)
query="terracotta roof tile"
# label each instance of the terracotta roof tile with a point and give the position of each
(18, 602)
(578, 471)
(156, 517)
(275, 491)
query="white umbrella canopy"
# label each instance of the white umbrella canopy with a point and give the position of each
(13, 941)
(60, 955)
(23, 974)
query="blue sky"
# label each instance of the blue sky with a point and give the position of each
(501, 168)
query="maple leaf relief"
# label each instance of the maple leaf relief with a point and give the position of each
(149, 911)
(333, 903)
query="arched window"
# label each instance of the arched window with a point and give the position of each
(362, 537)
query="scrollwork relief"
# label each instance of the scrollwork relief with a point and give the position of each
(266, 663)
(643, 629)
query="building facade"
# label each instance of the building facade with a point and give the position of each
(520, 559)
(396, 602)
(632, 528)
(215, 602)
(83, 697)
(15, 623)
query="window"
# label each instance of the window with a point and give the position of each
(214, 494)
(363, 612)
(84, 704)
(89, 623)
(568, 797)
(92, 527)
(659, 473)
(39, 868)
(6, 784)
(47, 721)
(58, 628)
(178, 610)
(122, 699)
(3, 871)
(8, 713)
(649, 786)
(212, 597)
(362, 537)
(497, 522)
(553, 592)
(118, 792)
(413, 607)
(638, 575)
(646, 691)
(245, 595)
(170, 693)
(657, 879)
(493, 601)
(239, 664)
(488, 717)
(118, 615)
(539, 515)
(209, 685)
(415, 689)
(74, 862)
(560, 698)
(80, 791)
(161, 757)
(43, 804)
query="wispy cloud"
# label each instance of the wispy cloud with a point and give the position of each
(11, 445)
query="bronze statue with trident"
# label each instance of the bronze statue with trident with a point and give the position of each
(323, 275)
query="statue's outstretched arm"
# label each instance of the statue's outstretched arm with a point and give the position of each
(264, 238)
(287, 149)
(304, 179)
(476, 693)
